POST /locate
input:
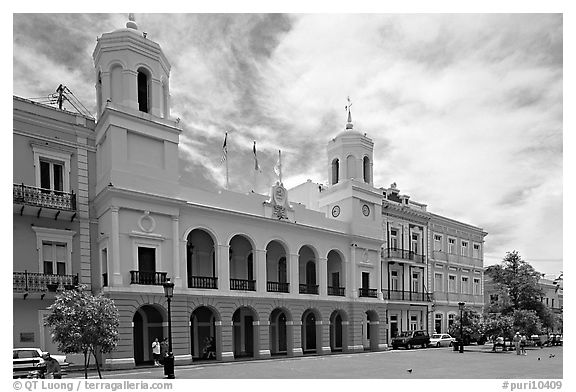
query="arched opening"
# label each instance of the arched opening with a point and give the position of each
(366, 169)
(201, 260)
(278, 332)
(147, 321)
(243, 332)
(371, 331)
(335, 171)
(241, 262)
(351, 167)
(307, 271)
(143, 90)
(335, 274)
(337, 332)
(276, 272)
(311, 334)
(203, 334)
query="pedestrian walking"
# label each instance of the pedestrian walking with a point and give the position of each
(52, 367)
(517, 338)
(156, 351)
(163, 350)
(523, 341)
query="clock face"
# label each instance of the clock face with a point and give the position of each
(365, 210)
(335, 211)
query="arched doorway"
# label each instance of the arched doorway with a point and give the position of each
(201, 260)
(243, 332)
(241, 262)
(276, 269)
(311, 338)
(278, 332)
(203, 333)
(338, 339)
(335, 276)
(307, 271)
(147, 323)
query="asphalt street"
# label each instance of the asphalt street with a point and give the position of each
(477, 362)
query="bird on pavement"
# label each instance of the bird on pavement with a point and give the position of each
(551, 356)
(409, 370)
(538, 358)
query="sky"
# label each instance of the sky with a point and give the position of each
(465, 110)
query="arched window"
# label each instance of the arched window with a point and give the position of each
(366, 169)
(335, 171)
(143, 93)
(282, 275)
(310, 273)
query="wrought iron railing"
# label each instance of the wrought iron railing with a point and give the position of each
(203, 282)
(148, 278)
(400, 295)
(41, 197)
(278, 287)
(371, 293)
(308, 288)
(42, 283)
(334, 290)
(242, 284)
(403, 254)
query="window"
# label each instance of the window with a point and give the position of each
(438, 322)
(413, 322)
(452, 283)
(451, 318)
(464, 248)
(146, 259)
(394, 239)
(414, 243)
(438, 281)
(54, 250)
(52, 169)
(394, 280)
(54, 258)
(465, 285)
(366, 166)
(437, 242)
(415, 282)
(451, 245)
(552, 302)
(143, 93)
(546, 301)
(476, 251)
(335, 173)
(476, 286)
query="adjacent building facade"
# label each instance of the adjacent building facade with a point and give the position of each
(315, 269)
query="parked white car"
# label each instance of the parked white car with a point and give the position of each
(441, 339)
(29, 359)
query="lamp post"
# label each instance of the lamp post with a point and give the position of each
(461, 306)
(169, 360)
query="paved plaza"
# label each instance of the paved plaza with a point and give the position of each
(477, 362)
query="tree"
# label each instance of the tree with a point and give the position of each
(84, 323)
(527, 322)
(495, 324)
(471, 326)
(518, 282)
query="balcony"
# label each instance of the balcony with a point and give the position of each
(33, 282)
(400, 295)
(401, 254)
(203, 282)
(242, 284)
(370, 293)
(308, 288)
(44, 198)
(334, 290)
(148, 278)
(278, 287)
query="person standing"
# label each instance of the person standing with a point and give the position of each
(52, 366)
(163, 350)
(156, 351)
(516, 341)
(523, 340)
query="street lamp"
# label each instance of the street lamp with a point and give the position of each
(461, 307)
(169, 360)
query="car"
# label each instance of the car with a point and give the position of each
(441, 339)
(411, 339)
(26, 360)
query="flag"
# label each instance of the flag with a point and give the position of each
(256, 165)
(224, 149)
(278, 166)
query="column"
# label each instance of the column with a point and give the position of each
(130, 88)
(351, 286)
(294, 279)
(263, 341)
(323, 281)
(260, 265)
(115, 239)
(223, 268)
(379, 274)
(293, 332)
(224, 347)
(176, 251)
(324, 332)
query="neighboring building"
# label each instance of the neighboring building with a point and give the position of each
(311, 270)
(53, 153)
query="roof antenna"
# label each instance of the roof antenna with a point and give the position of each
(60, 99)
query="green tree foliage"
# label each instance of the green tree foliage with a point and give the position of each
(526, 322)
(471, 325)
(517, 281)
(84, 323)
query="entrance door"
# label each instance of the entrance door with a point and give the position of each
(146, 259)
(365, 280)
(310, 332)
(393, 326)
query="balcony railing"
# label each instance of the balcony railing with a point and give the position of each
(27, 282)
(394, 253)
(203, 282)
(41, 197)
(371, 293)
(242, 284)
(308, 288)
(278, 287)
(148, 278)
(334, 290)
(400, 295)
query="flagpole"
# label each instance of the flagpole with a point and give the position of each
(227, 179)
(280, 165)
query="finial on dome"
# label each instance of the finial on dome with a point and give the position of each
(131, 24)
(349, 124)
